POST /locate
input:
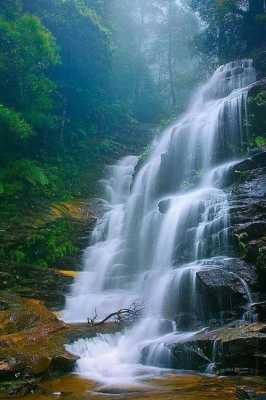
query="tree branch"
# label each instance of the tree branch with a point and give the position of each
(124, 315)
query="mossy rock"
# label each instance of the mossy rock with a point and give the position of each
(31, 338)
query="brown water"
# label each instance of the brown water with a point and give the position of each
(172, 387)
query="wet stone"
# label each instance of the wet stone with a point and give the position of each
(260, 310)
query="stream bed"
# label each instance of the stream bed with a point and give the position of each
(170, 387)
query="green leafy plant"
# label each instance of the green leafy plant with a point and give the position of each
(12, 123)
(260, 141)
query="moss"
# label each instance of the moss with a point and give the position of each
(46, 236)
(256, 116)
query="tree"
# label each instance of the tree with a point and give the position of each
(230, 22)
(170, 27)
(27, 50)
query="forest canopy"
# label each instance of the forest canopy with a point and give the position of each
(77, 72)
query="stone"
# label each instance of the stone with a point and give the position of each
(254, 230)
(260, 63)
(30, 337)
(63, 363)
(258, 160)
(244, 393)
(189, 357)
(186, 321)
(6, 368)
(247, 208)
(239, 349)
(260, 310)
(41, 365)
(164, 205)
(223, 287)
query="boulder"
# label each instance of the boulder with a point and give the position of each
(164, 205)
(237, 349)
(223, 290)
(260, 310)
(7, 368)
(186, 321)
(257, 160)
(31, 337)
(189, 357)
(63, 362)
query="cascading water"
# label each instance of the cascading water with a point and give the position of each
(158, 231)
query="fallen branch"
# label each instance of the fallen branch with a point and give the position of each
(124, 315)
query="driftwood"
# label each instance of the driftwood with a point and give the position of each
(124, 315)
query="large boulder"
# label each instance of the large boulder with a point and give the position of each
(31, 339)
(224, 288)
(234, 350)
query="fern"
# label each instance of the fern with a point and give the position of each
(13, 123)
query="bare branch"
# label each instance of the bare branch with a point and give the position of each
(124, 315)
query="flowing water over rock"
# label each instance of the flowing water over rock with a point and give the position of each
(164, 236)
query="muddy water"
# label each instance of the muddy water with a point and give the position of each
(172, 387)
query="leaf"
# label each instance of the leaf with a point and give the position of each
(2, 188)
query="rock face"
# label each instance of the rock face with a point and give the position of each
(46, 284)
(32, 343)
(228, 285)
(260, 310)
(223, 286)
(231, 350)
(248, 215)
(30, 337)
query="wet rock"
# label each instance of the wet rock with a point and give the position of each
(260, 63)
(6, 368)
(260, 310)
(40, 365)
(223, 287)
(189, 357)
(63, 362)
(257, 160)
(186, 321)
(238, 350)
(19, 387)
(31, 337)
(246, 394)
(247, 203)
(238, 70)
(164, 205)
(166, 326)
(32, 340)
(34, 282)
(253, 230)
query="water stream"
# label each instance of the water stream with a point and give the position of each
(158, 230)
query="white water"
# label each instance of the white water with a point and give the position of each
(156, 234)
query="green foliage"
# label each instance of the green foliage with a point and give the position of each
(232, 28)
(260, 141)
(256, 117)
(29, 171)
(77, 79)
(18, 256)
(27, 50)
(12, 124)
(22, 176)
(52, 242)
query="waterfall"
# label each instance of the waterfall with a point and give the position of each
(159, 229)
